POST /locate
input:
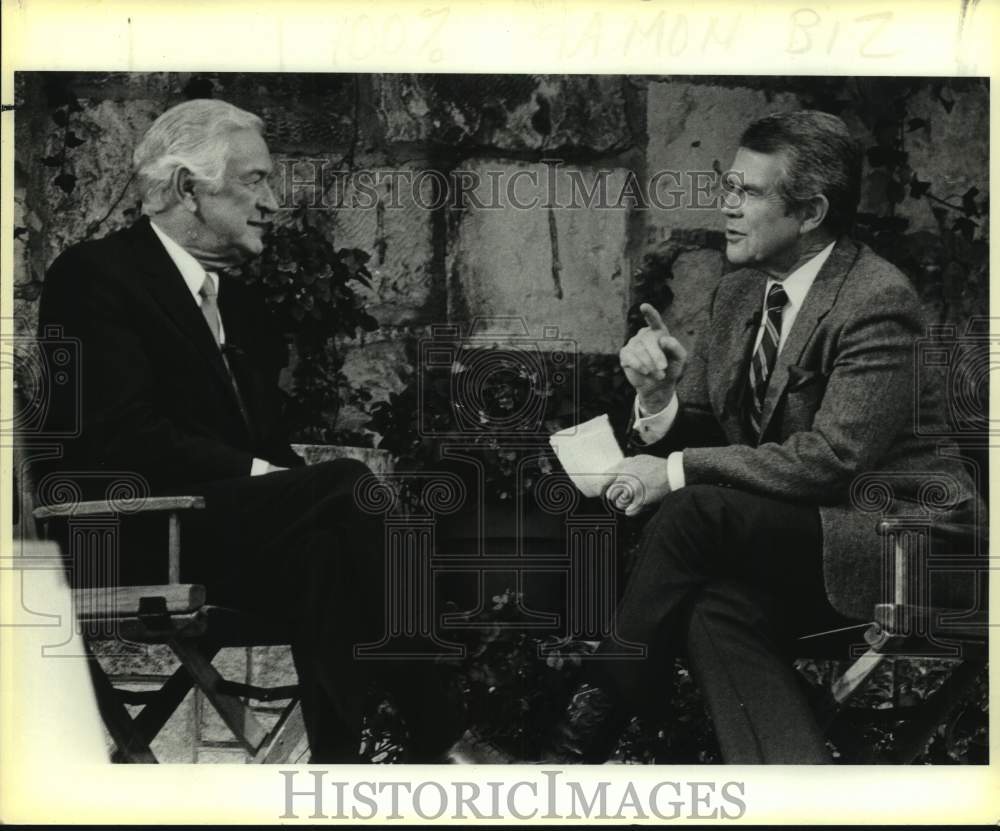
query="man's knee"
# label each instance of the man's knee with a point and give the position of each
(693, 505)
(729, 601)
(340, 477)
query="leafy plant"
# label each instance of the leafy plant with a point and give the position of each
(309, 284)
(64, 105)
(948, 266)
(415, 422)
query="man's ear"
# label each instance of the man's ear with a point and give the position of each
(813, 213)
(182, 184)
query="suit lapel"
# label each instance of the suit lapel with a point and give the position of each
(818, 301)
(168, 289)
(729, 379)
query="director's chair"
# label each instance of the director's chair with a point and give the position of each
(935, 606)
(173, 613)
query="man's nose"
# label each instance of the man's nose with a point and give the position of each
(731, 202)
(267, 203)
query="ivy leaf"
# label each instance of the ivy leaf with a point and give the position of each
(886, 156)
(915, 124)
(969, 202)
(61, 117)
(965, 226)
(918, 188)
(65, 182)
(894, 191)
(20, 231)
(541, 121)
(73, 140)
(53, 161)
(890, 224)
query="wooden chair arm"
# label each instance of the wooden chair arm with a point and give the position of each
(171, 505)
(912, 558)
(98, 507)
(952, 532)
(124, 601)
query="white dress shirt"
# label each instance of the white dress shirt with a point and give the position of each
(191, 270)
(653, 427)
(194, 278)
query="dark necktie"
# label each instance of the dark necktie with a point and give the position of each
(765, 354)
(210, 310)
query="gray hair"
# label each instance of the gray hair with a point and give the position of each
(191, 135)
(821, 158)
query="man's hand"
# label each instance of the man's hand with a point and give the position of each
(640, 483)
(653, 361)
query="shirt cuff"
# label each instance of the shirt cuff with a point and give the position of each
(675, 470)
(259, 467)
(652, 428)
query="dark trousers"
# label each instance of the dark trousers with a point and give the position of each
(730, 579)
(294, 547)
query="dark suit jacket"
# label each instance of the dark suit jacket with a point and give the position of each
(156, 398)
(838, 418)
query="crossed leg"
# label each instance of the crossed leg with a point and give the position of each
(731, 579)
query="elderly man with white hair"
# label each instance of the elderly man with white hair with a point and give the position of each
(178, 368)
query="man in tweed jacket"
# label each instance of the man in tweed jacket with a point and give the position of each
(800, 388)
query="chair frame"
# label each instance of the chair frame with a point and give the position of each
(175, 614)
(902, 628)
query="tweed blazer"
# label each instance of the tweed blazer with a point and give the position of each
(838, 418)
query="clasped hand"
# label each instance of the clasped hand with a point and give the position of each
(640, 482)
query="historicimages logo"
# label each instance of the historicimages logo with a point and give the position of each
(550, 795)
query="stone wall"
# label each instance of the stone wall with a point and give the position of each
(437, 257)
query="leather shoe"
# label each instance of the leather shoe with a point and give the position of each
(588, 731)
(473, 749)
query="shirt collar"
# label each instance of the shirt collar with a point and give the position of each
(191, 270)
(798, 283)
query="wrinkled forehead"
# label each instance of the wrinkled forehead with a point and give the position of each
(761, 171)
(247, 152)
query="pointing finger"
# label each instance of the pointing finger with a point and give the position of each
(653, 318)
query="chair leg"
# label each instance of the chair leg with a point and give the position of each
(149, 722)
(288, 734)
(234, 712)
(132, 746)
(856, 675)
(853, 679)
(912, 738)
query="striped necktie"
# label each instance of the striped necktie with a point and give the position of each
(765, 354)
